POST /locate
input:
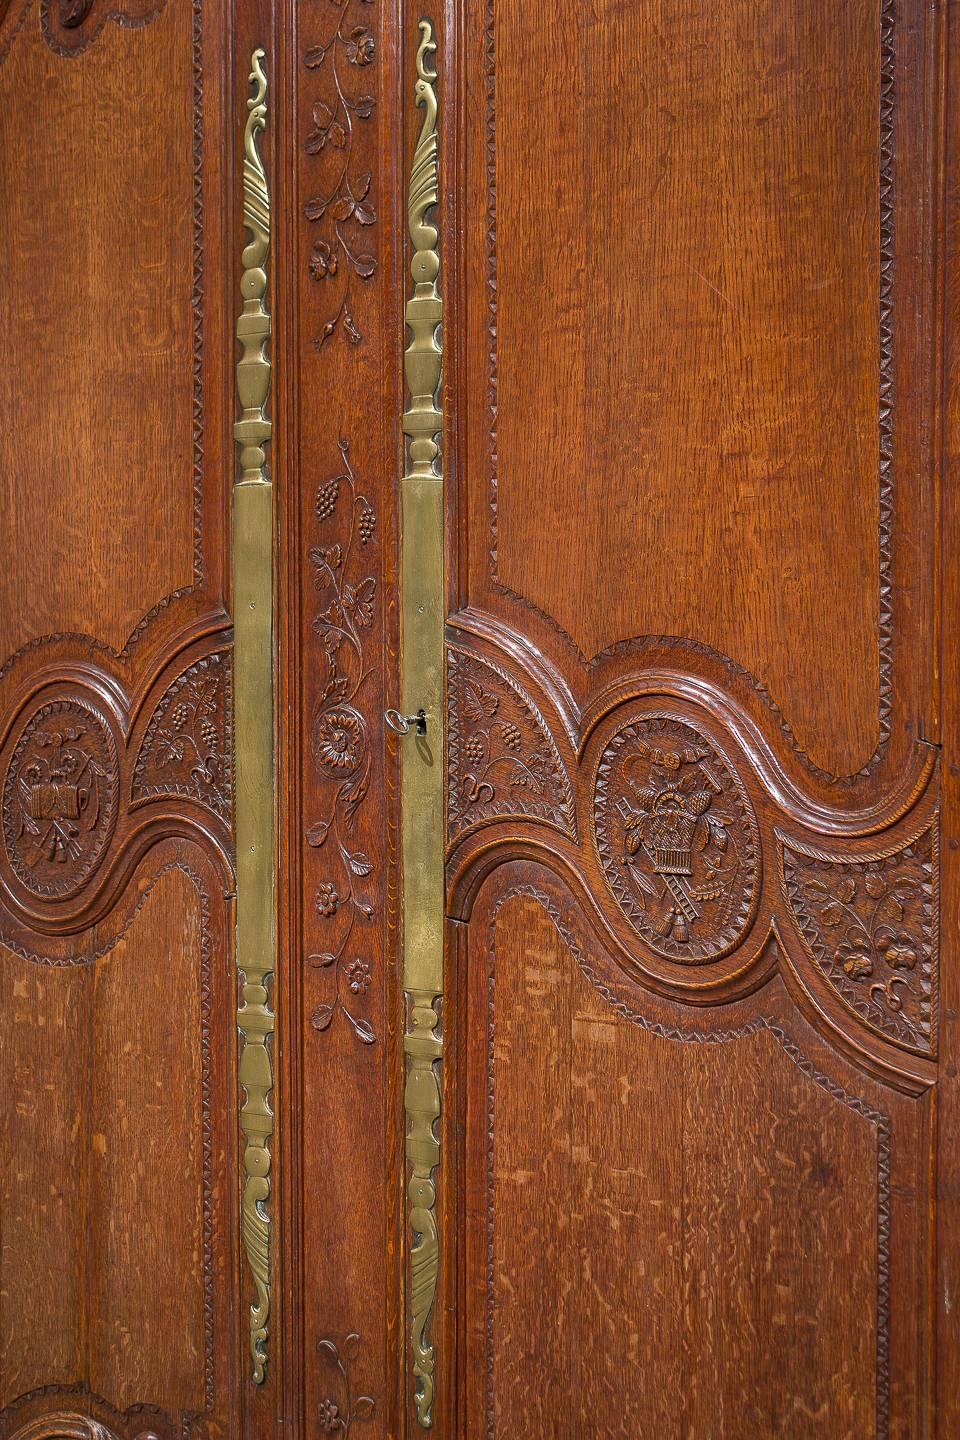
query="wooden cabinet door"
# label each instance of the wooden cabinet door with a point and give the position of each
(124, 1300)
(698, 1172)
(680, 1103)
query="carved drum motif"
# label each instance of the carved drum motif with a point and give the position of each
(677, 839)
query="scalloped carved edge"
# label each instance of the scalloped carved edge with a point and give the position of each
(856, 976)
(885, 419)
(90, 33)
(475, 797)
(878, 1119)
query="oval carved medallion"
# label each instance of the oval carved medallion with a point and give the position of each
(677, 839)
(60, 797)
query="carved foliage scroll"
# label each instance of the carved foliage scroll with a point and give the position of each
(502, 759)
(188, 744)
(341, 208)
(677, 838)
(344, 571)
(871, 927)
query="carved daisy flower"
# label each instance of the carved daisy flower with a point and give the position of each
(327, 900)
(338, 740)
(329, 1414)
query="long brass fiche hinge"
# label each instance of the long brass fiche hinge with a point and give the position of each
(421, 719)
(253, 540)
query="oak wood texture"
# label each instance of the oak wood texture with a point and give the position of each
(694, 1183)
(696, 804)
(700, 1210)
(123, 1308)
(99, 284)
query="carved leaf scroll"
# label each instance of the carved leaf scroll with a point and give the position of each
(502, 759)
(870, 926)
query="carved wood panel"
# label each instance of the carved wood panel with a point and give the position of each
(118, 1318)
(694, 538)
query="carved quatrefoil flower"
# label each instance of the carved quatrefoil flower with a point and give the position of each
(677, 839)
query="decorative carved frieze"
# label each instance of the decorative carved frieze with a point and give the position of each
(187, 746)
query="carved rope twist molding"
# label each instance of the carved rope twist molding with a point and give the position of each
(253, 524)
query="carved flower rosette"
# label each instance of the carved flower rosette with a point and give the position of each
(677, 839)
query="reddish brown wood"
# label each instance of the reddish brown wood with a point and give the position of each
(125, 1311)
(695, 571)
(698, 1172)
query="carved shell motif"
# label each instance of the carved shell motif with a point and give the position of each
(502, 759)
(60, 797)
(677, 839)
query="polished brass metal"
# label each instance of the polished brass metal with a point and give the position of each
(253, 540)
(422, 713)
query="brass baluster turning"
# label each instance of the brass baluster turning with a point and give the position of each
(422, 614)
(253, 537)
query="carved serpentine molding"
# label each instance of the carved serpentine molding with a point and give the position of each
(71, 26)
(501, 758)
(591, 972)
(870, 925)
(253, 539)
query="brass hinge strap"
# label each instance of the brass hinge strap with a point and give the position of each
(424, 744)
(253, 541)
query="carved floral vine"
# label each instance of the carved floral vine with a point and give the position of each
(342, 208)
(186, 750)
(339, 738)
(869, 926)
(337, 1414)
(502, 758)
